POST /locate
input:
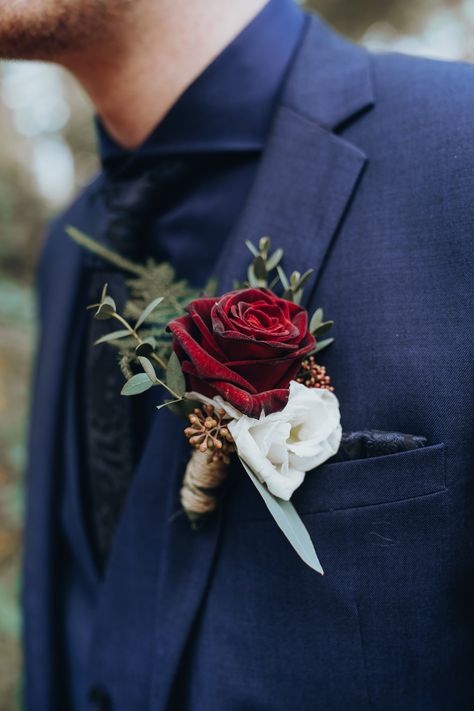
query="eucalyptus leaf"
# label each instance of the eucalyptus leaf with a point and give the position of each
(297, 296)
(112, 336)
(260, 269)
(316, 319)
(273, 283)
(104, 292)
(137, 384)
(283, 279)
(275, 259)
(304, 278)
(174, 375)
(286, 517)
(264, 245)
(148, 310)
(294, 279)
(146, 347)
(106, 309)
(147, 366)
(323, 328)
(323, 344)
(251, 247)
(253, 281)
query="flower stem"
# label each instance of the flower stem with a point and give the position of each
(154, 356)
(103, 252)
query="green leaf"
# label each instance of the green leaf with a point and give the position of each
(211, 287)
(174, 375)
(303, 279)
(148, 310)
(294, 279)
(288, 294)
(251, 247)
(253, 281)
(148, 368)
(323, 344)
(273, 283)
(103, 252)
(286, 517)
(137, 384)
(316, 319)
(104, 292)
(275, 259)
(260, 269)
(264, 246)
(297, 296)
(106, 309)
(323, 328)
(283, 279)
(113, 336)
(146, 347)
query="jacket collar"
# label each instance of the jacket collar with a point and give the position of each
(338, 86)
(229, 106)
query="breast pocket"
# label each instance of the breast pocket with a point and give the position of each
(371, 481)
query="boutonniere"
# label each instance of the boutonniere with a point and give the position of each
(241, 369)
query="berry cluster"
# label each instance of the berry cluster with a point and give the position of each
(314, 376)
(208, 432)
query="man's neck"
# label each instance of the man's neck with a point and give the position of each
(136, 75)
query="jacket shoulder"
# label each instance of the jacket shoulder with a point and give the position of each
(55, 231)
(58, 248)
(436, 88)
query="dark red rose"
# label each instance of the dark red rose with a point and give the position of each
(245, 346)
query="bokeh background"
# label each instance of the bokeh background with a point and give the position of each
(47, 151)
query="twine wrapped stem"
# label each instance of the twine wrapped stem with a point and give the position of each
(208, 465)
(202, 478)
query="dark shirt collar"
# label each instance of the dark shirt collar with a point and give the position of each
(230, 105)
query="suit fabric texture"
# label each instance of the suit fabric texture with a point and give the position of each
(367, 176)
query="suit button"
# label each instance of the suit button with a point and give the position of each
(99, 699)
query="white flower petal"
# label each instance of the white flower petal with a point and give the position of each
(324, 450)
(284, 485)
(282, 446)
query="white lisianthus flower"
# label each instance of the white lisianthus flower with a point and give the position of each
(281, 447)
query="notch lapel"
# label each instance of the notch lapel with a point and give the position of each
(304, 183)
(308, 173)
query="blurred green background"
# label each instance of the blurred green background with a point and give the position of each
(47, 152)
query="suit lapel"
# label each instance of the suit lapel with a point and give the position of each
(305, 181)
(308, 173)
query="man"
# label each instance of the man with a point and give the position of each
(220, 122)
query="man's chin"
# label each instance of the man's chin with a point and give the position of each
(50, 30)
(30, 48)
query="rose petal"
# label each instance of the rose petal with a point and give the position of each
(205, 365)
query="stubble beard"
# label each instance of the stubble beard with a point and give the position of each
(52, 30)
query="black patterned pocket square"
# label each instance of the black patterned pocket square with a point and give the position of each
(375, 443)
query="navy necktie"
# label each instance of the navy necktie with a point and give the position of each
(125, 209)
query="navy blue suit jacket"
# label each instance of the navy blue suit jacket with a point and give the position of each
(368, 176)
